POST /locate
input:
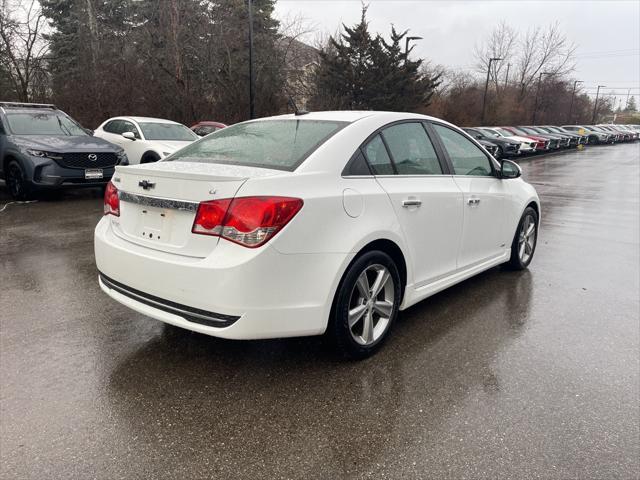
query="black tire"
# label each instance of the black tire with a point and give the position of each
(17, 183)
(150, 157)
(339, 330)
(499, 153)
(518, 261)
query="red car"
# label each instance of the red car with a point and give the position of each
(542, 144)
(205, 128)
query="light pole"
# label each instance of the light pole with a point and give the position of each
(572, 97)
(486, 87)
(252, 79)
(535, 105)
(406, 46)
(595, 105)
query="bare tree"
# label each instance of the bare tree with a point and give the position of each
(23, 47)
(544, 50)
(297, 59)
(501, 43)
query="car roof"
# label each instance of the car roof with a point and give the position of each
(144, 120)
(210, 123)
(351, 116)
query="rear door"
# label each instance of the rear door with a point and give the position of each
(425, 198)
(483, 231)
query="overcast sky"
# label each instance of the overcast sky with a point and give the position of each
(607, 32)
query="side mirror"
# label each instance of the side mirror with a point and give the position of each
(509, 169)
(129, 136)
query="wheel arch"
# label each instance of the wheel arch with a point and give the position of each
(150, 153)
(8, 158)
(384, 245)
(394, 251)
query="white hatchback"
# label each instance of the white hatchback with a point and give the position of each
(145, 139)
(300, 225)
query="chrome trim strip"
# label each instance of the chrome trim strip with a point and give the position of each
(158, 202)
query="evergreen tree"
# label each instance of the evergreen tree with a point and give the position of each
(362, 71)
(185, 60)
(631, 105)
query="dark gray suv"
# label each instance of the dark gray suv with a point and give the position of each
(41, 147)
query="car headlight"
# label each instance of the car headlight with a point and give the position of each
(36, 153)
(43, 154)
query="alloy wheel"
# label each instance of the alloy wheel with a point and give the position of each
(14, 180)
(527, 239)
(371, 304)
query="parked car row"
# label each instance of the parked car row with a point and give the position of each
(526, 140)
(41, 147)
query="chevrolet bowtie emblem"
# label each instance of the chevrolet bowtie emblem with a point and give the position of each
(147, 185)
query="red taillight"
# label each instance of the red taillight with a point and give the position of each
(249, 221)
(111, 200)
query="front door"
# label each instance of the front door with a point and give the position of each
(483, 236)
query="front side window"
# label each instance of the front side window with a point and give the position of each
(377, 156)
(114, 126)
(467, 158)
(411, 149)
(167, 131)
(130, 127)
(43, 123)
(277, 144)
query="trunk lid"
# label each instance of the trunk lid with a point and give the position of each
(158, 202)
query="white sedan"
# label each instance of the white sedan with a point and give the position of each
(300, 225)
(145, 139)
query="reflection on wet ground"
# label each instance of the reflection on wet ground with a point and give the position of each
(510, 374)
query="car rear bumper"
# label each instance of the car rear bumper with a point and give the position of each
(234, 293)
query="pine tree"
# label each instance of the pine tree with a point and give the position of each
(362, 71)
(631, 105)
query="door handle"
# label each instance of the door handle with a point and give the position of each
(473, 201)
(411, 202)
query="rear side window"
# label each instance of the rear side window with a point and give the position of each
(411, 149)
(377, 156)
(277, 144)
(467, 158)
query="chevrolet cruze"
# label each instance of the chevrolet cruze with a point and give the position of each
(328, 222)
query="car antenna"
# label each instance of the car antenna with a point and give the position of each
(294, 106)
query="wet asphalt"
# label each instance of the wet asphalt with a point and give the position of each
(531, 374)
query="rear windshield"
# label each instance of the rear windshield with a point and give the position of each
(277, 144)
(43, 123)
(167, 131)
